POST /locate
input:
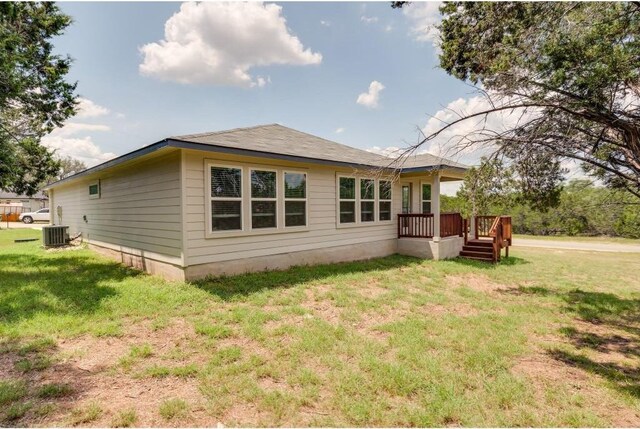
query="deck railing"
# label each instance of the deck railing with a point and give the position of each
(483, 225)
(421, 225)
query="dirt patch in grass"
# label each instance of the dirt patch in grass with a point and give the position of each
(90, 367)
(115, 393)
(370, 321)
(81, 350)
(247, 345)
(457, 309)
(546, 374)
(474, 281)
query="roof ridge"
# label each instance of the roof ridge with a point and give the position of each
(213, 133)
(330, 141)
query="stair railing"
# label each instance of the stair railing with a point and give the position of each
(500, 232)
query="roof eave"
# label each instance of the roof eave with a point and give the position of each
(112, 162)
(434, 168)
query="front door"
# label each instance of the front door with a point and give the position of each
(406, 198)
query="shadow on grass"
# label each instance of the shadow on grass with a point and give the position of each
(610, 333)
(234, 287)
(64, 284)
(623, 378)
(504, 262)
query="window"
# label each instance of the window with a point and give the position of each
(226, 199)
(406, 198)
(263, 199)
(347, 199)
(426, 198)
(384, 200)
(367, 200)
(43, 211)
(295, 199)
(94, 190)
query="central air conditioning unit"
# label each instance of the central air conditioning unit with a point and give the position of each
(55, 235)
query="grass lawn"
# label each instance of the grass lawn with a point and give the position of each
(547, 338)
(602, 239)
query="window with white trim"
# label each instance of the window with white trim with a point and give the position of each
(226, 198)
(264, 199)
(426, 198)
(347, 200)
(295, 199)
(367, 200)
(94, 190)
(384, 200)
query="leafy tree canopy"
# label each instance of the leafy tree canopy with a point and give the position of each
(574, 67)
(570, 71)
(34, 95)
(582, 209)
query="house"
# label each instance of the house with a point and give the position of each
(28, 204)
(258, 198)
(12, 205)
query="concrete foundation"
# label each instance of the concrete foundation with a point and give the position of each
(419, 247)
(446, 248)
(142, 263)
(352, 252)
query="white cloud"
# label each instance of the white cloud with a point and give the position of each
(371, 98)
(325, 23)
(89, 109)
(388, 28)
(391, 151)
(457, 139)
(455, 143)
(340, 130)
(423, 18)
(219, 43)
(72, 128)
(369, 19)
(82, 148)
(75, 138)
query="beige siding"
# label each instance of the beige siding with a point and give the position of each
(321, 199)
(139, 209)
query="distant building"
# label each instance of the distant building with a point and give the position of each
(29, 204)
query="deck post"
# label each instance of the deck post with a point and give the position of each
(435, 206)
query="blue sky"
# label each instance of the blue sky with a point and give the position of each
(359, 43)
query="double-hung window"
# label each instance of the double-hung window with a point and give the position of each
(226, 198)
(295, 199)
(384, 200)
(347, 199)
(426, 198)
(264, 201)
(367, 200)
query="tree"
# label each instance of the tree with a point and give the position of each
(484, 187)
(570, 71)
(34, 96)
(69, 166)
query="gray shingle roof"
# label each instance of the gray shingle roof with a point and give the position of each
(426, 159)
(275, 141)
(275, 138)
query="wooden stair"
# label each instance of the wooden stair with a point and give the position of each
(479, 250)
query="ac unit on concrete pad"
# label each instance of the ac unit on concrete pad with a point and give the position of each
(55, 235)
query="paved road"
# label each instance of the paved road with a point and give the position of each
(577, 245)
(20, 225)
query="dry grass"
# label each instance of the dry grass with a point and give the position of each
(545, 339)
